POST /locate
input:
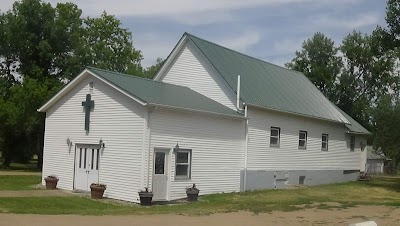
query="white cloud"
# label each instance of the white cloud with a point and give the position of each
(279, 60)
(240, 42)
(153, 46)
(190, 12)
(356, 22)
(286, 46)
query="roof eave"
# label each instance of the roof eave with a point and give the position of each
(172, 55)
(294, 113)
(62, 91)
(196, 110)
(359, 133)
(78, 79)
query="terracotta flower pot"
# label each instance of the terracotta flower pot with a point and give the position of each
(51, 182)
(97, 191)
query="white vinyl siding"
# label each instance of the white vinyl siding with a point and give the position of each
(193, 70)
(116, 119)
(288, 157)
(217, 149)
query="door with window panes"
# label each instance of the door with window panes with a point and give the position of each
(87, 160)
(160, 174)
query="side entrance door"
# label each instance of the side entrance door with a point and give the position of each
(87, 160)
(160, 174)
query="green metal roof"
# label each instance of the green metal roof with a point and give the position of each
(374, 154)
(267, 85)
(163, 94)
(354, 127)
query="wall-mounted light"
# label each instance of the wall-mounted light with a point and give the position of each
(102, 144)
(176, 148)
(69, 142)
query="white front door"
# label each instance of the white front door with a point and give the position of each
(87, 160)
(160, 174)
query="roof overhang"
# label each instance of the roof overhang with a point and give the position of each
(196, 111)
(294, 113)
(358, 133)
(76, 81)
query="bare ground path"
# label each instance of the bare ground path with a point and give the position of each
(383, 215)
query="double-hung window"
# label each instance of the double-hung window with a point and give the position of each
(324, 145)
(275, 136)
(302, 139)
(352, 143)
(183, 161)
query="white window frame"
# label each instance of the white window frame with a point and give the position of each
(278, 137)
(326, 142)
(189, 164)
(305, 139)
(352, 143)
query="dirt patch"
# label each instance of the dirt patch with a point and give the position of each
(381, 214)
(19, 173)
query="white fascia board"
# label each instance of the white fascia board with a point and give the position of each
(297, 114)
(197, 111)
(63, 91)
(171, 58)
(74, 82)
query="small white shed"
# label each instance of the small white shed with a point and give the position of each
(375, 161)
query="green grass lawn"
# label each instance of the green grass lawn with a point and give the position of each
(380, 191)
(19, 182)
(26, 167)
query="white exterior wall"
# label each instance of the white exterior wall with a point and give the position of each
(217, 145)
(191, 69)
(362, 149)
(116, 119)
(288, 157)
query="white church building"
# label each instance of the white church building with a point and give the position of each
(212, 116)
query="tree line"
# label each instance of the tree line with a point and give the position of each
(42, 48)
(361, 76)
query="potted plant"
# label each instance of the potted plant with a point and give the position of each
(51, 182)
(145, 197)
(97, 190)
(192, 193)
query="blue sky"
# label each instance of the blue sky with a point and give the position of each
(271, 30)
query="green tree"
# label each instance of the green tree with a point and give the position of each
(41, 47)
(319, 61)
(386, 121)
(368, 73)
(151, 71)
(108, 46)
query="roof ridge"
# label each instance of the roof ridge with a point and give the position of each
(134, 76)
(243, 54)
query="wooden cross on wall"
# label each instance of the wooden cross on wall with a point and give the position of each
(88, 105)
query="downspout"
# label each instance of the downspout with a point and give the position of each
(245, 147)
(238, 93)
(149, 168)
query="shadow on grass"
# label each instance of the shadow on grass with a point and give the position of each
(391, 183)
(31, 166)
